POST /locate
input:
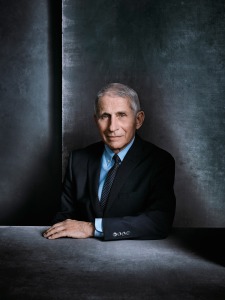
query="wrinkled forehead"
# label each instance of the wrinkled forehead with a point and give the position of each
(111, 97)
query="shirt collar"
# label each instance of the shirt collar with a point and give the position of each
(109, 153)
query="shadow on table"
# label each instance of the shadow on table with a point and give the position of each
(205, 242)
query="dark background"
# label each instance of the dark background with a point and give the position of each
(30, 95)
(171, 52)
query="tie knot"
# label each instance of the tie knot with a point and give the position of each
(116, 159)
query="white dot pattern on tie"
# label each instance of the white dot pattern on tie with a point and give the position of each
(109, 181)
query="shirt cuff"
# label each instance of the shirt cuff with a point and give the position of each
(98, 228)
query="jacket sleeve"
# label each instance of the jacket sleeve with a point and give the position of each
(155, 221)
(75, 200)
(67, 203)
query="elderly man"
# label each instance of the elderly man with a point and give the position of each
(121, 187)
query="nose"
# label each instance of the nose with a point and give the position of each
(113, 125)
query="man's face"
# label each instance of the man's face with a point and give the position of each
(117, 122)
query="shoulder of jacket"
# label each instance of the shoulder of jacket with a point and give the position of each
(155, 150)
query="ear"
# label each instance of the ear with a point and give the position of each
(140, 116)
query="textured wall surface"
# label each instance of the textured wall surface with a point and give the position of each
(30, 95)
(173, 54)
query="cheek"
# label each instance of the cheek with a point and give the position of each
(102, 127)
(129, 129)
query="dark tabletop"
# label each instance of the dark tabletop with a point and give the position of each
(189, 264)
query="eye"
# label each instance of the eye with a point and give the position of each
(122, 114)
(104, 116)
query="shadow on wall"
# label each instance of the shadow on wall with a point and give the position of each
(159, 129)
(31, 111)
(45, 192)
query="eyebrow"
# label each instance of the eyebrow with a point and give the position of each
(116, 113)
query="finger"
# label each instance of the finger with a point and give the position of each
(53, 230)
(57, 235)
(55, 226)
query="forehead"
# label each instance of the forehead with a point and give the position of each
(110, 102)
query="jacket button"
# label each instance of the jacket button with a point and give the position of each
(114, 234)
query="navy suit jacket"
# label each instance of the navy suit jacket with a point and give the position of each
(141, 204)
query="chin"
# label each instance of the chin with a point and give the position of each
(116, 147)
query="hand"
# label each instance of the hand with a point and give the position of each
(70, 228)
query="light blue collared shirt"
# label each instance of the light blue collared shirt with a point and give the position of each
(106, 164)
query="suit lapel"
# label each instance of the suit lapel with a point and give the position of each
(130, 161)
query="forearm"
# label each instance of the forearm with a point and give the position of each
(151, 225)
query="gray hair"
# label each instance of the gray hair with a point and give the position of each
(121, 90)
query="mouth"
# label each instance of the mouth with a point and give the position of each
(113, 137)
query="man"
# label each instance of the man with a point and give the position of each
(124, 196)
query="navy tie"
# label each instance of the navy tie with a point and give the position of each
(109, 181)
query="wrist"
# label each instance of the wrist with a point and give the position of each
(91, 229)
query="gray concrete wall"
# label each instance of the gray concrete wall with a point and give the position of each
(30, 113)
(173, 54)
